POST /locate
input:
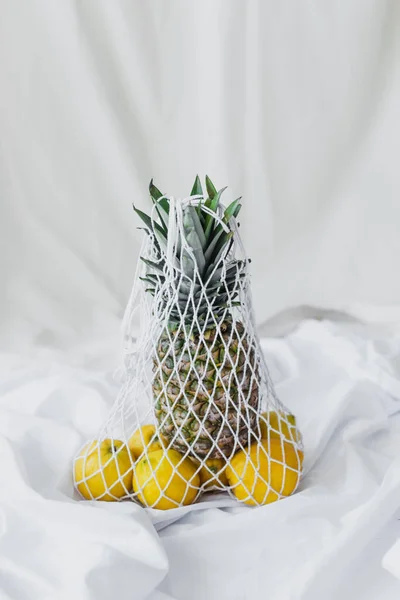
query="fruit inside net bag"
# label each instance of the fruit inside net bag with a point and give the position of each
(197, 412)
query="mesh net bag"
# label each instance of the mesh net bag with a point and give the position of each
(197, 411)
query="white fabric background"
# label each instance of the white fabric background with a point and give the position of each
(326, 541)
(295, 105)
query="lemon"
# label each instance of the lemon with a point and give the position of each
(265, 472)
(212, 473)
(164, 479)
(103, 470)
(279, 424)
(144, 437)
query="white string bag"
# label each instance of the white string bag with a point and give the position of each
(198, 375)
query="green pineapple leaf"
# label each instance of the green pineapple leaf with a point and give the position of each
(209, 220)
(228, 282)
(162, 221)
(152, 225)
(222, 243)
(164, 203)
(237, 210)
(186, 289)
(200, 213)
(198, 226)
(155, 278)
(197, 190)
(195, 245)
(158, 198)
(150, 281)
(217, 254)
(212, 244)
(211, 190)
(232, 210)
(154, 192)
(161, 204)
(216, 199)
(161, 239)
(152, 264)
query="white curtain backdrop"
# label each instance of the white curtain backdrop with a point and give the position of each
(294, 105)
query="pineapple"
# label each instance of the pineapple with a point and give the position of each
(205, 373)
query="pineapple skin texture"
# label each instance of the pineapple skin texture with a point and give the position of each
(206, 390)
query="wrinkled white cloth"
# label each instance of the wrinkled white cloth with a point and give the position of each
(391, 560)
(326, 541)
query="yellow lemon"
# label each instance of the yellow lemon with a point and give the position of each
(164, 479)
(265, 471)
(103, 470)
(144, 437)
(212, 473)
(279, 424)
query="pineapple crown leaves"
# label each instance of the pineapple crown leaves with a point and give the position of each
(201, 228)
(201, 257)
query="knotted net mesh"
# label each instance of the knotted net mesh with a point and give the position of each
(197, 411)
